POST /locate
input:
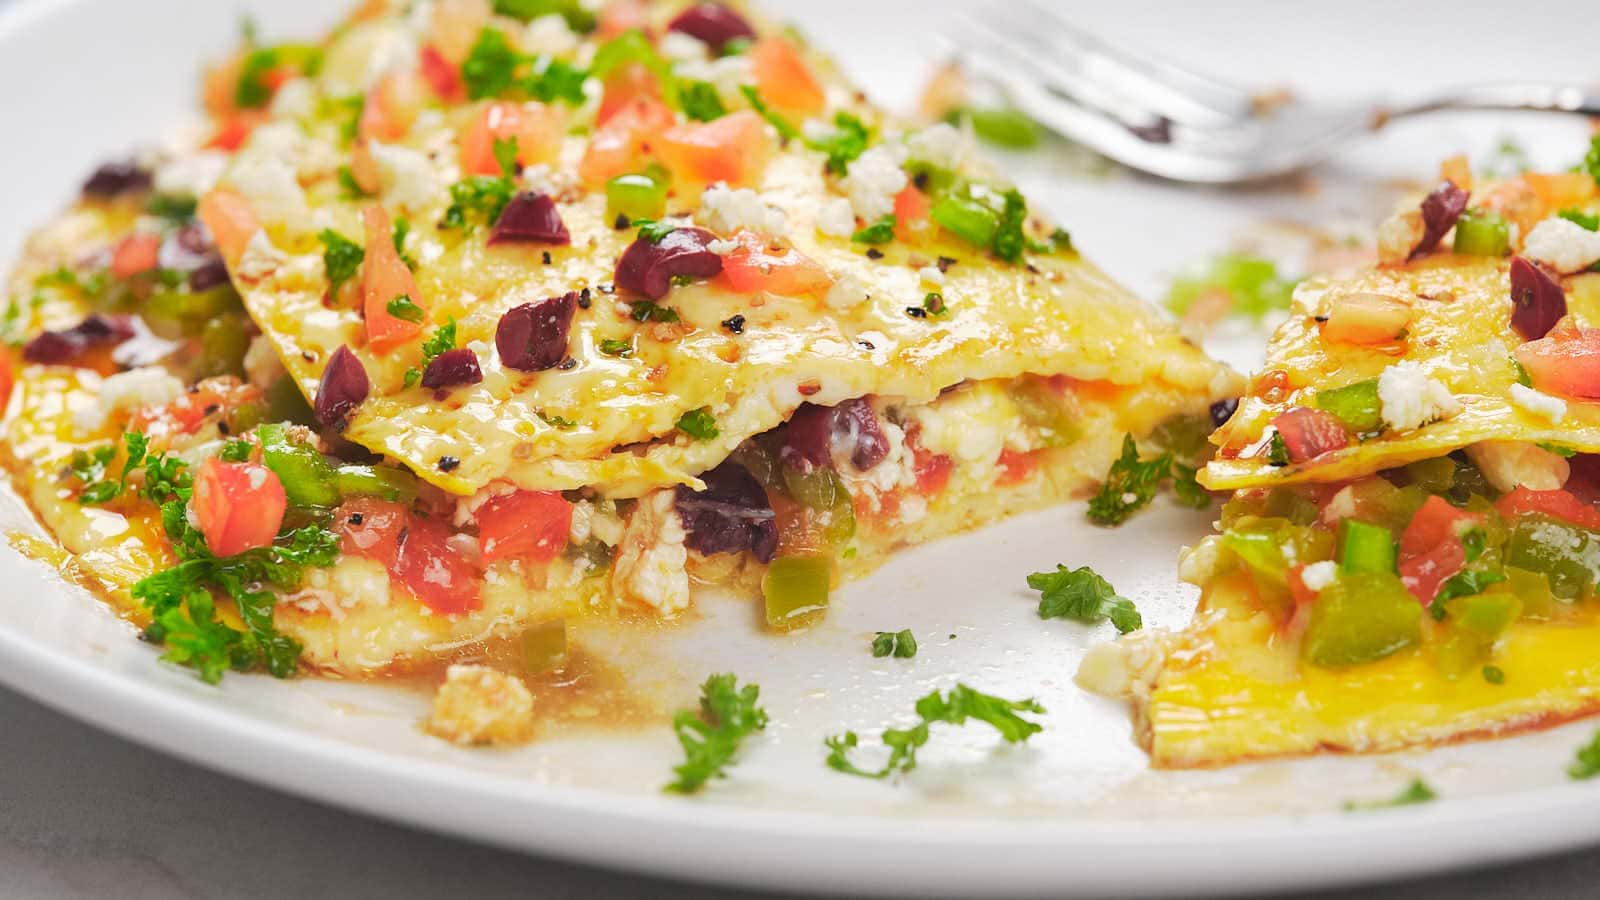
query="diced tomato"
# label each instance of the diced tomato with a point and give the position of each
(933, 471)
(1309, 433)
(1515, 200)
(386, 277)
(1015, 467)
(391, 108)
(442, 77)
(415, 550)
(1566, 362)
(364, 168)
(783, 78)
(1556, 504)
(733, 149)
(536, 127)
(1366, 319)
(624, 143)
(207, 401)
(239, 506)
(619, 16)
(911, 208)
(756, 266)
(136, 253)
(7, 378)
(234, 130)
(231, 220)
(528, 525)
(370, 528)
(627, 83)
(1430, 548)
(456, 26)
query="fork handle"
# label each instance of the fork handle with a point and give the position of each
(1541, 97)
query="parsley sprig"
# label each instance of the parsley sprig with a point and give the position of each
(898, 644)
(1587, 762)
(341, 258)
(711, 735)
(494, 68)
(955, 708)
(699, 424)
(484, 197)
(843, 145)
(1082, 595)
(1415, 792)
(165, 477)
(444, 338)
(1133, 482)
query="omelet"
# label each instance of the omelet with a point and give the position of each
(466, 325)
(1410, 556)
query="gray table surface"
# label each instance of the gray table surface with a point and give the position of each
(87, 815)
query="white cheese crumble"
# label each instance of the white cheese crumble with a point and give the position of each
(836, 218)
(260, 258)
(1319, 575)
(549, 35)
(478, 705)
(725, 74)
(295, 99)
(874, 180)
(726, 210)
(650, 565)
(943, 145)
(847, 291)
(406, 175)
(1341, 506)
(898, 469)
(1411, 399)
(967, 424)
(192, 174)
(680, 47)
(1509, 465)
(1198, 564)
(1539, 403)
(722, 247)
(931, 275)
(1562, 245)
(273, 191)
(134, 389)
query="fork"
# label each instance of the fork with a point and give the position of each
(1156, 117)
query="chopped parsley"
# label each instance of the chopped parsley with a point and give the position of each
(254, 89)
(494, 68)
(784, 127)
(653, 231)
(1586, 221)
(699, 424)
(701, 102)
(844, 145)
(1132, 483)
(1587, 762)
(1494, 675)
(1277, 450)
(955, 708)
(650, 311)
(578, 18)
(341, 258)
(1009, 240)
(482, 196)
(1082, 595)
(164, 477)
(348, 186)
(1415, 792)
(555, 421)
(405, 310)
(711, 736)
(178, 208)
(898, 644)
(444, 338)
(1252, 285)
(237, 450)
(879, 232)
(402, 229)
(614, 347)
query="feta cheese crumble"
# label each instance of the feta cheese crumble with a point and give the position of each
(931, 275)
(847, 291)
(273, 191)
(1562, 245)
(726, 210)
(1539, 403)
(874, 180)
(942, 145)
(550, 35)
(192, 174)
(649, 568)
(1411, 399)
(478, 705)
(1319, 575)
(134, 389)
(406, 175)
(836, 218)
(260, 258)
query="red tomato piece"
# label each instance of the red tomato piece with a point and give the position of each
(239, 506)
(933, 471)
(629, 82)
(536, 127)
(623, 144)
(1309, 433)
(136, 253)
(911, 208)
(442, 77)
(386, 277)
(784, 79)
(757, 266)
(391, 108)
(231, 220)
(1566, 362)
(7, 378)
(1015, 467)
(234, 130)
(528, 525)
(432, 570)
(1430, 548)
(1556, 504)
(733, 149)
(370, 528)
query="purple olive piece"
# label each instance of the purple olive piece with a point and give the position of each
(732, 514)
(530, 218)
(58, 347)
(209, 274)
(857, 431)
(533, 337)
(648, 268)
(187, 249)
(117, 178)
(344, 387)
(1222, 411)
(713, 24)
(808, 439)
(451, 368)
(1537, 300)
(1440, 210)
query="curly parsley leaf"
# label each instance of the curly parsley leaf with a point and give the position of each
(237, 450)
(898, 644)
(784, 127)
(1009, 240)
(698, 424)
(91, 468)
(1587, 762)
(1415, 792)
(402, 230)
(405, 310)
(711, 736)
(483, 197)
(443, 339)
(701, 102)
(618, 348)
(879, 232)
(844, 144)
(341, 258)
(1187, 489)
(955, 708)
(1277, 450)
(649, 311)
(494, 68)
(1129, 485)
(1082, 595)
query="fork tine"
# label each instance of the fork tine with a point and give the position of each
(1164, 88)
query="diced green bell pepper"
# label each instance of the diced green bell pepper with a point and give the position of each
(1564, 553)
(1356, 405)
(1471, 626)
(1481, 232)
(285, 403)
(967, 219)
(1360, 618)
(1436, 476)
(796, 590)
(1365, 548)
(1050, 413)
(1533, 589)
(191, 310)
(391, 483)
(636, 196)
(308, 479)
(223, 344)
(1002, 126)
(822, 491)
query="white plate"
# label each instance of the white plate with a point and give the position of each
(1076, 811)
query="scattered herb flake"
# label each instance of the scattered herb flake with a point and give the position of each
(1129, 485)
(898, 644)
(650, 311)
(1587, 762)
(699, 424)
(341, 258)
(879, 232)
(1082, 595)
(1415, 792)
(711, 736)
(701, 102)
(955, 708)
(405, 310)
(614, 347)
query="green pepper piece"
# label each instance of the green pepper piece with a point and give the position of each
(822, 491)
(223, 344)
(1471, 626)
(1436, 476)
(635, 196)
(1482, 232)
(1360, 618)
(1002, 126)
(285, 403)
(391, 483)
(1366, 548)
(544, 647)
(796, 590)
(307, 478)
(1356, 405)
(968, 220)
(191, 310)
(1564, 553)
(1533, 589)
(1050, 413)
(1287, 504)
